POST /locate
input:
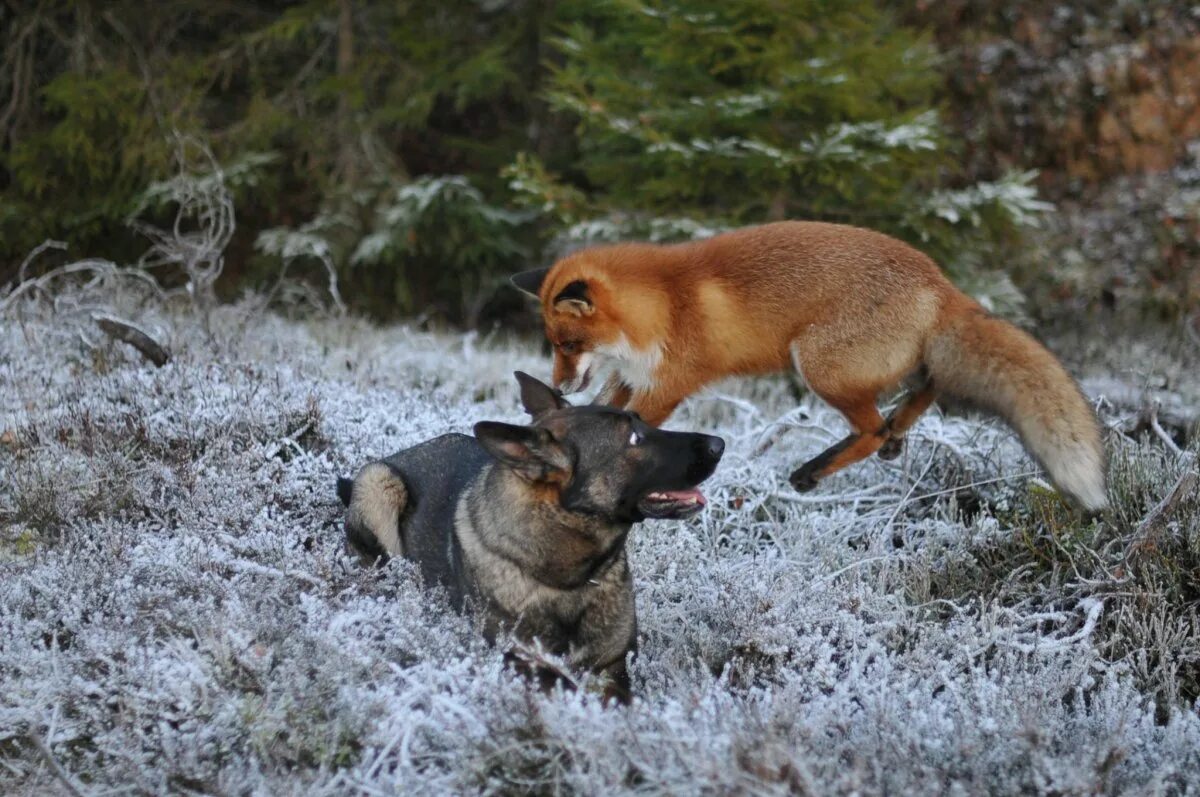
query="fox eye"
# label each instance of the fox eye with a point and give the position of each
(634, 439)
(568, 347)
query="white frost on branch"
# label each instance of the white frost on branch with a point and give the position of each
(1014, 194)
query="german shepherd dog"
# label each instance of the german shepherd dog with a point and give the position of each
(526, 525)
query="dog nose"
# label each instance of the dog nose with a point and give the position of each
(715, 447)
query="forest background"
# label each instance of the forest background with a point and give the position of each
(424, 150)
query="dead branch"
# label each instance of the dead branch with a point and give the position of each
(37, 250)
(1157, 518)
(18, 65)
(203, 226)
(1161, 432)
(138, 339)
(1136, 408)
(531, 662)
(63, 776)
(103, 272)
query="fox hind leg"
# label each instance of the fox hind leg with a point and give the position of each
(869, 433)
(901, 419)
(848, 370)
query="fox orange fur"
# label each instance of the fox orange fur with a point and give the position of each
(855, 312)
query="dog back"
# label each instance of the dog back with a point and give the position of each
(435, 474)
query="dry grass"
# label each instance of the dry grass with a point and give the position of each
(179, 614)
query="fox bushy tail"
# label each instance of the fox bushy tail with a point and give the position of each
(991, 363)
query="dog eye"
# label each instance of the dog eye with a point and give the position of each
(634, 439)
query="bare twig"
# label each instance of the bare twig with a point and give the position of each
(1133, 406)
(531, 661)
(326, 260)
(1162, 434)
(37, 250)
(290, 441)
(18, 64)
(908, 496)
(63, 776)
(126, 332)
(101, 270)
(1158, 517)
(203, 226)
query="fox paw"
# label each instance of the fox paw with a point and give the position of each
(892, 448)
(803, 479)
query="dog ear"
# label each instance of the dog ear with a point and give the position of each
(532, 453)
(530, 282)
(574, 299)
(537, 397)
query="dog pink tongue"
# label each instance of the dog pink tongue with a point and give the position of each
(683, 496)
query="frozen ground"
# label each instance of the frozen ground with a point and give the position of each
(177, 613)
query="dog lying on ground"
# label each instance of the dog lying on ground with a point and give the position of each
(527, 524)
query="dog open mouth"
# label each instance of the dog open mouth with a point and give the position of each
(672, 504)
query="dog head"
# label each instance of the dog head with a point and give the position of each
(579, 320)
(602, 461)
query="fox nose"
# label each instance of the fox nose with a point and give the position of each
(714, 447)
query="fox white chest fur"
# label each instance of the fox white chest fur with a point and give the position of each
(637, 367)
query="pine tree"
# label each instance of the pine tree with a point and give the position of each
(698, 114)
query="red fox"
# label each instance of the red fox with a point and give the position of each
(853, 311)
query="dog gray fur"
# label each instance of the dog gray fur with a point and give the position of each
(527, 524)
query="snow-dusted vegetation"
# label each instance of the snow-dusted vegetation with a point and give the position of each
(178, 615)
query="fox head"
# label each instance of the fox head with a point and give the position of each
(579, 322)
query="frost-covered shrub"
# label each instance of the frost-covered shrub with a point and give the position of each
(434, 246)
(697, 115)
(178, 613)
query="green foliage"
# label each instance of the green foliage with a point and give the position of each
(444, 220)
(404, 146)
(70, 176)
(433, 246)
(734, 113)
(724, 105)
(240, 176)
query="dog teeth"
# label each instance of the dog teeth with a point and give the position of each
(691, 499)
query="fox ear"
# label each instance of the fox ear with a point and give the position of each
(575, 299)
(530, 452)
(537, 397)
(529, 282)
